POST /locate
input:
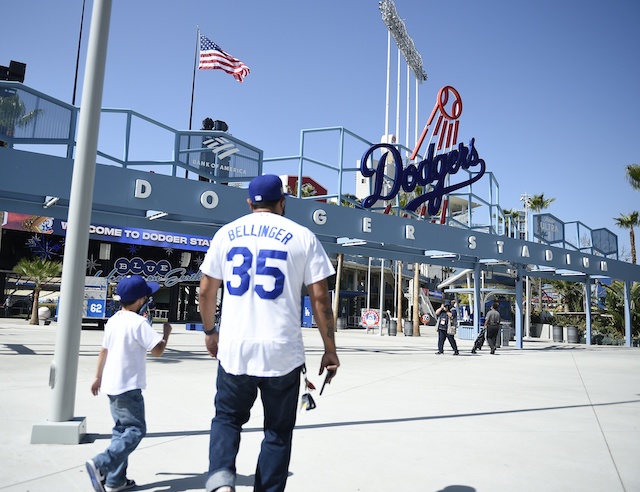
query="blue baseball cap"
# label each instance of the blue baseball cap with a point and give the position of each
(265, 188)
(133, 287)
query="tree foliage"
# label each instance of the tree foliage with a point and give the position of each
(613, 301)
(537, 203)
(629, 222)
(307, 189)
(632, 172)
(14, 114)
(515, 215)
(40, 271)
(571, 294)
(512, 212)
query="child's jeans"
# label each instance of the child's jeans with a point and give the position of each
(129, 428)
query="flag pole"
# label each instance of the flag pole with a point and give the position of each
(193, 82)
(75, 80)
(193, 85)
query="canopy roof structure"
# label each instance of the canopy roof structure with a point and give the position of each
(36, 168)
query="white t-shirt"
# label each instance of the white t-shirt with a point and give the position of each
(127, 337)
(263, 260)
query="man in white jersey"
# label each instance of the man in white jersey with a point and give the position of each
(262, 260)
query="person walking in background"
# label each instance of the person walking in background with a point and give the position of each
(7, 305)
(445, 318)
(492, 325)
(29, 306)
(262, 260)
(121, 374)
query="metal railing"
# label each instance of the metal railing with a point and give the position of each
(33, 121)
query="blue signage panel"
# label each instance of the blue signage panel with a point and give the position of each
(548, 228)
(96, 308)
(307, 314)
(604, 241)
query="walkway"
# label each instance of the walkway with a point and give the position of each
(397, 417)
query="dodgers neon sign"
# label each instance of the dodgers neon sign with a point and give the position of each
(432, 171)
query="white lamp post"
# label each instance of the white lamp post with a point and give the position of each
(525, 197)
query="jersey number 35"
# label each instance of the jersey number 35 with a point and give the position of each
(243, 271)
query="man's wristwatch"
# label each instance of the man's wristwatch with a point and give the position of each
(210, 332)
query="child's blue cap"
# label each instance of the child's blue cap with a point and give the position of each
(133, 287)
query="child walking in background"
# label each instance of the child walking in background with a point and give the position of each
(121, 375)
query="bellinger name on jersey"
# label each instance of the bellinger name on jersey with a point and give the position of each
(273, 232)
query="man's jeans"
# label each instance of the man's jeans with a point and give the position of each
(442, 336)
(234, 398)
(492, 336)
(127, 411)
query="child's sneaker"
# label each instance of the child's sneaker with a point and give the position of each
(97, 479)
(128, 484)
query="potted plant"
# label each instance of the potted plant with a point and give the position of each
(573, 332)
(560, 321)
(535, 325)
(547, 320)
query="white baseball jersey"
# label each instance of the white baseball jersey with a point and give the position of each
(263, 260)
(127, 337)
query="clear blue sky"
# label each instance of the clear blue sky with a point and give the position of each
(550, 88)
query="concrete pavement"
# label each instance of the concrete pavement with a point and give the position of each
(397, 417)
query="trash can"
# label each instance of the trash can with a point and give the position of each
(506, 335)
(393, 327)
(557, 333)
(408, 328)
(341, 325)
(572, 334)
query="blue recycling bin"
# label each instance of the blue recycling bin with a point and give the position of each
(465, 332)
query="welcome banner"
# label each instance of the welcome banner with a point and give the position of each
(145, 237)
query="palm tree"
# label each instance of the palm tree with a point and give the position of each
(537, 203)
(571, 294)
(308, 190)
(350, 200)
(40, 271)
(13, 114)
(633, 175)
(515, 215)
(629, 222)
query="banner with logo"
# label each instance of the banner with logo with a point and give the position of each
(128, 235)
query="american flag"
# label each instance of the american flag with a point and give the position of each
(212, 57)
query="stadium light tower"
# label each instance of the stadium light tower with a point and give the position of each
(397, 29)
